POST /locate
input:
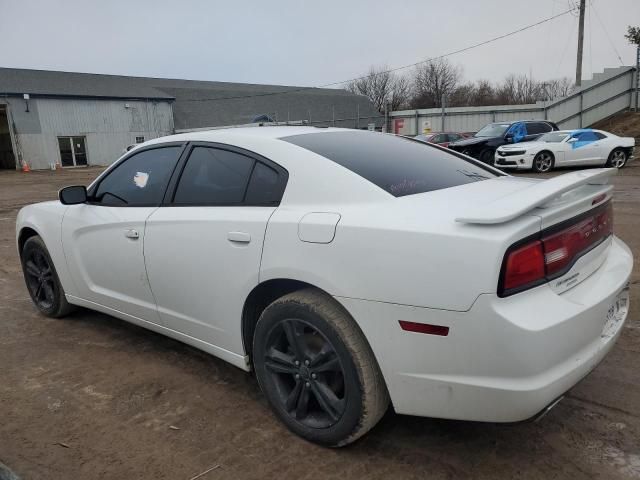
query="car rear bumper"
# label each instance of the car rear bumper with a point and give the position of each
(505, 359)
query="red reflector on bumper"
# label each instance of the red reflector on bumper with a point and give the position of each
(424, 328)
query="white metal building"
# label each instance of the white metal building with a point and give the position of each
(73, 119)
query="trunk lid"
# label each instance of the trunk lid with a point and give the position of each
(575, 222)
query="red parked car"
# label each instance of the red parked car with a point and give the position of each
(441, 138)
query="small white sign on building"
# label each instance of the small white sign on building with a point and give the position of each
(371, 127)
(426, 126)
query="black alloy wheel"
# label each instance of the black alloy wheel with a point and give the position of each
(306, 372)
(317, 370)
(42, 280)
(39, 277)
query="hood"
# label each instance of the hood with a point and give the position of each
(522, 146)
(467, 142)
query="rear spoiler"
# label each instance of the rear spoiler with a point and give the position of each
(537, 195)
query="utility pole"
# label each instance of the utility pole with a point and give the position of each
(583, 4)
(637, 74)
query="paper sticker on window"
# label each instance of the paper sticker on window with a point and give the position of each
(141, 179)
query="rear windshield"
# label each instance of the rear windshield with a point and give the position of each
(398, 165)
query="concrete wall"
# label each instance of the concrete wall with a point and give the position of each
(604, 95)
(108, 125)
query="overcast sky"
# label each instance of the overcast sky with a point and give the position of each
(309, 43)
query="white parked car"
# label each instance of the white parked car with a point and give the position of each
(566, 148)
(347, 269)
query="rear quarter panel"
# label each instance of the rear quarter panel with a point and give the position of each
(398, 255)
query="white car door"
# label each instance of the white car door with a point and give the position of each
(103, 239)
(584, 148)
(203, 248)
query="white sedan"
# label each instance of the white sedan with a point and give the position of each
(348, 269)
(567, 148)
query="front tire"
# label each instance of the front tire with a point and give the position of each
(488, 157)
(617, 159)
(317, 370)
(42, 280)
(543, 162)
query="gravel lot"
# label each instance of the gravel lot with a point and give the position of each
(90, 396)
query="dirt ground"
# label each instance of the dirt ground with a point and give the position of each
(90, 397)
(625, 124)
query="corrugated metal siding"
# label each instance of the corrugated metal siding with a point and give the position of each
(108, 126)
(604, 95)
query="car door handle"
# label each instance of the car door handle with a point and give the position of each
(131, 233)
(239, 237)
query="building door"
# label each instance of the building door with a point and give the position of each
(7, 157)
(73, 152)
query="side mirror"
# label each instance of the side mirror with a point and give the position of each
(572, 140)
(509, 137)
(73, 195)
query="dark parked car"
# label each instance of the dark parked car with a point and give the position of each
(484, 143)
(441, 138)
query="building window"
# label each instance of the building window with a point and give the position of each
(139, 139)
(73, 152)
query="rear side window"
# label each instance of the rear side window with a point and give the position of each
(398, 165)
(213, 177)
(535, 128)
(140, 180)
(264, 187)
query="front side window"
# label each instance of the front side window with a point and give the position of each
(140, 180)
(213, 177)
(398, 165)
(553, 137)
(585, 136)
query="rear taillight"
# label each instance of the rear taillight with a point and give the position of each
(554, 251)
(524, 265)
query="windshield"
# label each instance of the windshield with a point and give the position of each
(553, 137)
(493, 130)
(398, 165)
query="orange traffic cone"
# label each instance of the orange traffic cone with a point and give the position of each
(25, 167)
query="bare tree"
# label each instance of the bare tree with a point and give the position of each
(483, 94)
(382, 87)
(460, 96)
(558, 87)
(400, 93)
(434, 79)
(517, 89)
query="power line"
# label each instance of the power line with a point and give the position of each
(403, 67)
(607, 33)
(590, 40)
(566, 46)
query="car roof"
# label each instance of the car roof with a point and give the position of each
(576, 130)
(264, 132)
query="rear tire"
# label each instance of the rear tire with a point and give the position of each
(42, 279)
(317, 370)
(617, 158)
(543, 162)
